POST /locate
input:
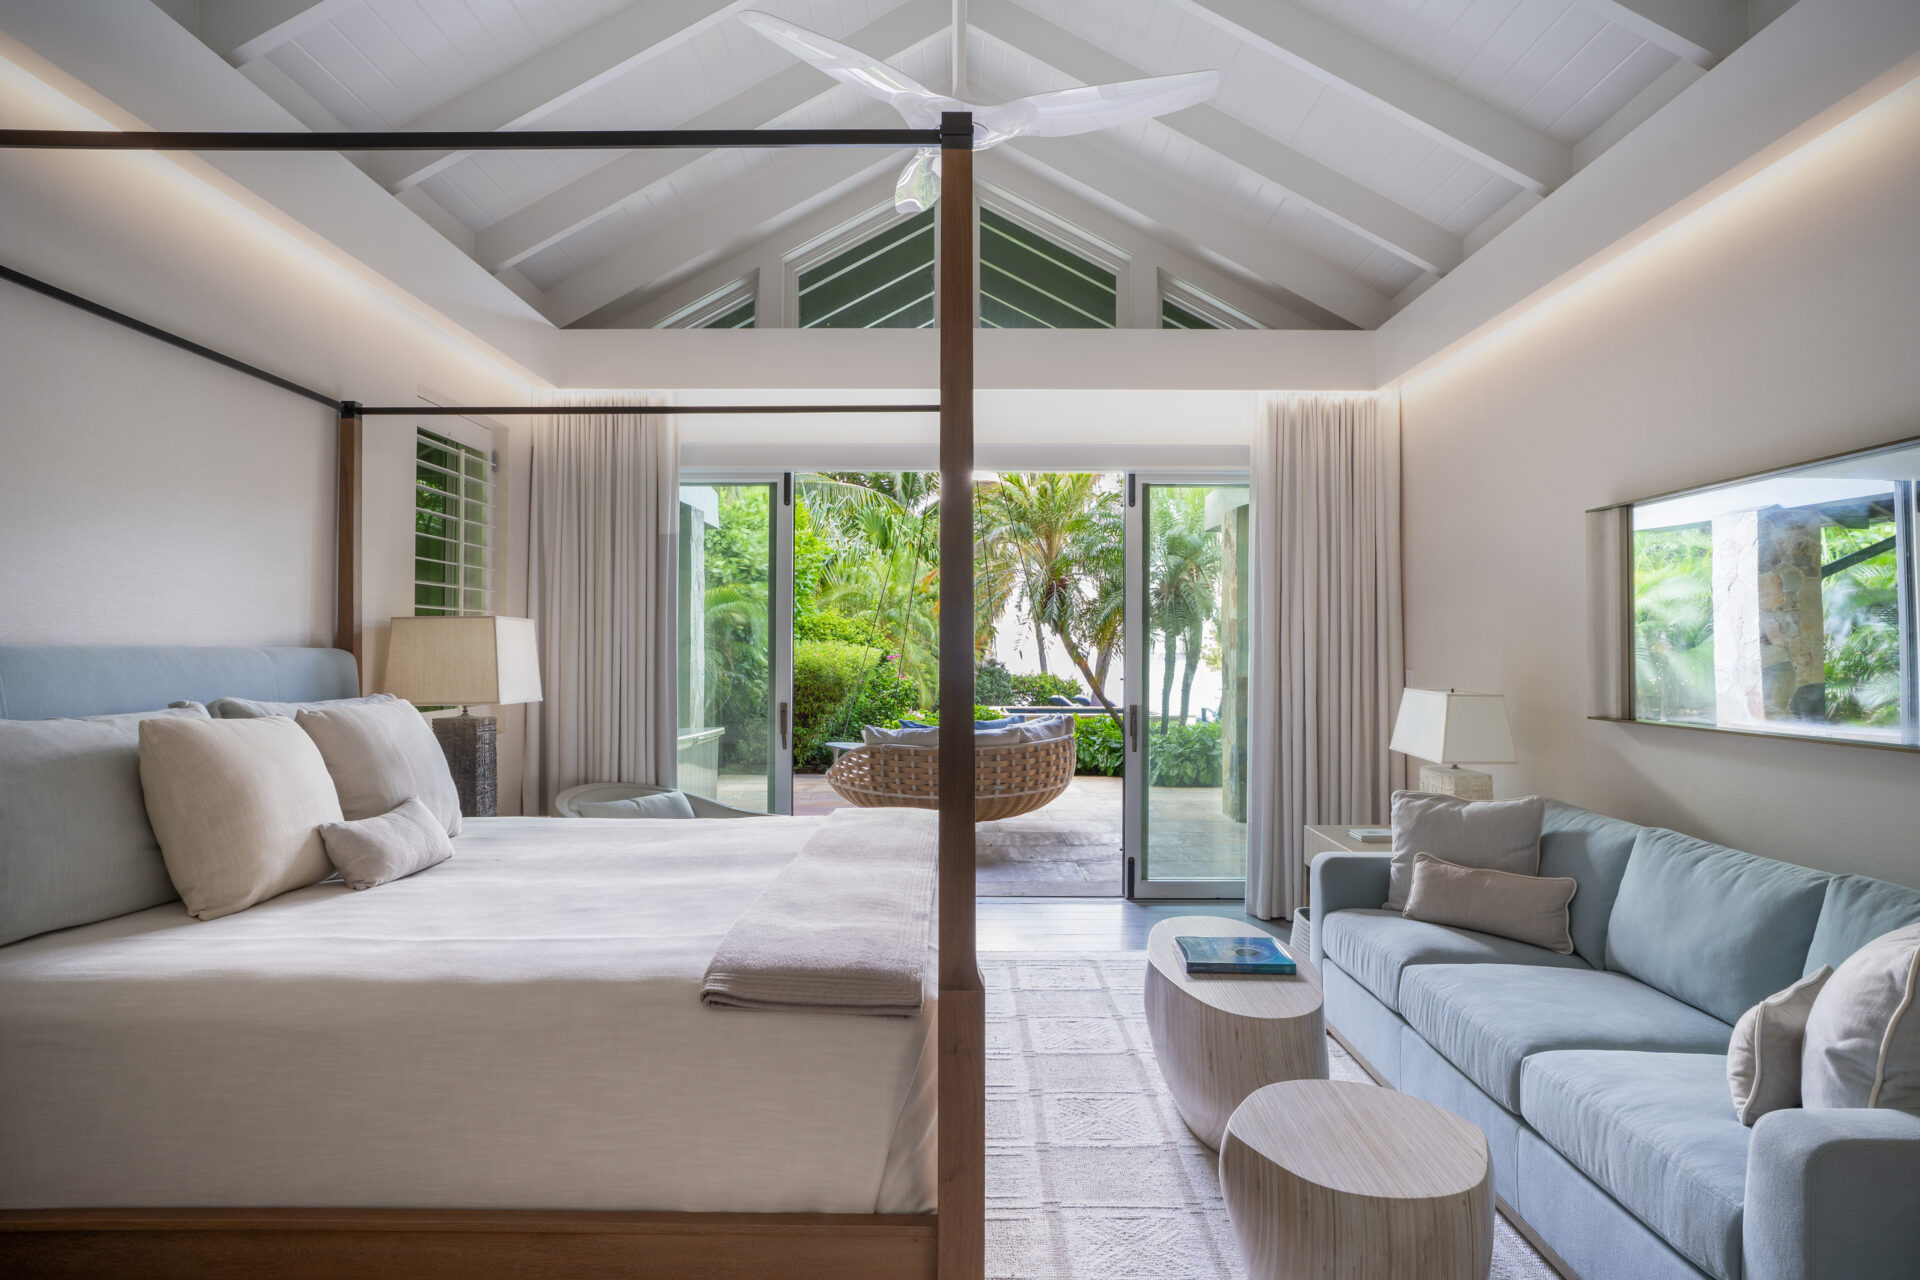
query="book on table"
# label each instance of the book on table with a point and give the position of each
(1371, 835)
(1258, 954)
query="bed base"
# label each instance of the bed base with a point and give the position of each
(462, 1244)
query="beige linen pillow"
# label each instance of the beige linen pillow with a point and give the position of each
(379, 753)
(1763, 1059)
(236, 805)
(1501, 834)
(1863, 1036)
(396, 844)
(1526, 908)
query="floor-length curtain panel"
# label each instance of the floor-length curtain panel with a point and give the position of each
(601, 573)
(1326, 671)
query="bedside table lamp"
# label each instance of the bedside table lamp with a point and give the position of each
(1453, 728)
(443, 662)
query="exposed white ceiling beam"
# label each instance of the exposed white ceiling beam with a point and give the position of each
(1207, 234)
(736, 216)
(1354, 206)
(242, 30)
(600, 192)
(1700, 31)
(1417, 98)
(551, 78)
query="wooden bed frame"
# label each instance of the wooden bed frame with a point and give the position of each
(421, 1244)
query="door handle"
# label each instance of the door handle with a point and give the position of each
(1133, 726)
(783, 726)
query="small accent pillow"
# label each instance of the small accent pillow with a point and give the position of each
(236, 805)
(665, 804)
(406, 839)
(1526, 908)
(1863, 1036)
(253, 709)
(1763, 1059)
(379, 753)
(1503, 835)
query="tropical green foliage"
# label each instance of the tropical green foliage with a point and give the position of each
(1862, 608)
(1033, 690)
(1097, 746)
(1183, 577)
(993, 683)
(1184, 755)
(837, 689)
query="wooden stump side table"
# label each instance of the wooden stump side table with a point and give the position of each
(1217, 1038)
(1335, 1180)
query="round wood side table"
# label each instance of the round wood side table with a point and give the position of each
(1217, 1038)
(1335, 1180)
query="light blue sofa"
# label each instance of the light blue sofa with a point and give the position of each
(1600, 1077)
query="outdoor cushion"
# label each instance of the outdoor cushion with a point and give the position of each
(1376, 946)
(1594, 850)
(1859, 909)
(1655, 1130)
(1487, 1019)
(1719, 929)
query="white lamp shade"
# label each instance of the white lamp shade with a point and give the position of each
(1450, 727)
(445, 662)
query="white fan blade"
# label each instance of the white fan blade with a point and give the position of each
(917, 104)
(1098, 106)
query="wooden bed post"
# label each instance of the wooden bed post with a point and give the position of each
(962, 1029)
(347, 529)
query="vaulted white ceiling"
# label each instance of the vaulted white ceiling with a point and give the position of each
(1356, 151)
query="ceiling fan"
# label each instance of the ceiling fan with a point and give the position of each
(1040, 115)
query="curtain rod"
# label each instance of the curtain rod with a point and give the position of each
(463, 140)
(566, 410)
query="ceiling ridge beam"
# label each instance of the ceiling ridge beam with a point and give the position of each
(548, 80)
(1332, 194)
(243, 30)
(1211, 233)
(1699, 31)
(604, 191)
(1434, 107)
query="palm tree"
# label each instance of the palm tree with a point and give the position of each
(1184, 566)
(897, 585)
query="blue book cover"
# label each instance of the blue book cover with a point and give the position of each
(1258, 954)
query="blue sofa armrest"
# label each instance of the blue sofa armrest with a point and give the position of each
(1830, 1195)
(1342, 880)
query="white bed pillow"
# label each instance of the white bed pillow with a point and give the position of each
(379, 753)
(1763, 1058)
(372, 851)
(237, 806)
(1863, 1036)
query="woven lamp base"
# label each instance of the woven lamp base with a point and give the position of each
(468, 742)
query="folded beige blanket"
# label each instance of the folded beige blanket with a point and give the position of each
(844, 928)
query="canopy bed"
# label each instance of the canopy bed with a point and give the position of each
(683, 1140)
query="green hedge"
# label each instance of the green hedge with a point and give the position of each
(1178, 755)
(837, 688)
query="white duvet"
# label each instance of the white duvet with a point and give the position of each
(519, 1027)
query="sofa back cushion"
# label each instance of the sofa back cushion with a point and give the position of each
(1592, 849)
(75, 844)
(1719, 929)
(1859, 909)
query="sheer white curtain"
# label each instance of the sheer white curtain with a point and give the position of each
(601, 584)
(1327, 660)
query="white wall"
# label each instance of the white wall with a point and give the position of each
(1779, 324)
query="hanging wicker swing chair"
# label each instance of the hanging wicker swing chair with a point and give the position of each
(1009, 779)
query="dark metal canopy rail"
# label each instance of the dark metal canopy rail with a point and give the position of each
(946, 1245)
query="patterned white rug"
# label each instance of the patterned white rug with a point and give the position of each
(1090, 1173)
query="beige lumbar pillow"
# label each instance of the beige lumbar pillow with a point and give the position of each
(380, 753)
(1501, 834)
(1863, 1035)
(1526, 908)
(372, 851)
(236, 805)
(1763, 1059)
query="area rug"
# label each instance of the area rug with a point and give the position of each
(1090, 1173)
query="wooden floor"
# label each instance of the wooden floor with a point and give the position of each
(1092, 924)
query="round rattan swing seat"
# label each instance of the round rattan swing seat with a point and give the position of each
(1008, 780)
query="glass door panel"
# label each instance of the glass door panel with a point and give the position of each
(735, 635)
(1187, 656)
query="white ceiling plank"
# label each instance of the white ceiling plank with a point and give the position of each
(1423, 101)
(551, 78)
(242, 30)
(736, 216)
(1213, 234)
(1675, 80)
(1700, 31)
(1354, 206)
(603, 191)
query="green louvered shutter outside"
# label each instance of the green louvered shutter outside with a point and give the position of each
(1029, 282)
(741, 317)
(884, 282)
(1175, 316)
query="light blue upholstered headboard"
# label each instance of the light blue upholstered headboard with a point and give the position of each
(37, 681)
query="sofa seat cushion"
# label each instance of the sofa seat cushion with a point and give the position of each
(1487, 1019)
(1658, 1133)
(1376, 946)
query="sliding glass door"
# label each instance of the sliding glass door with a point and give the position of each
(1186, 654)
(736, 638)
